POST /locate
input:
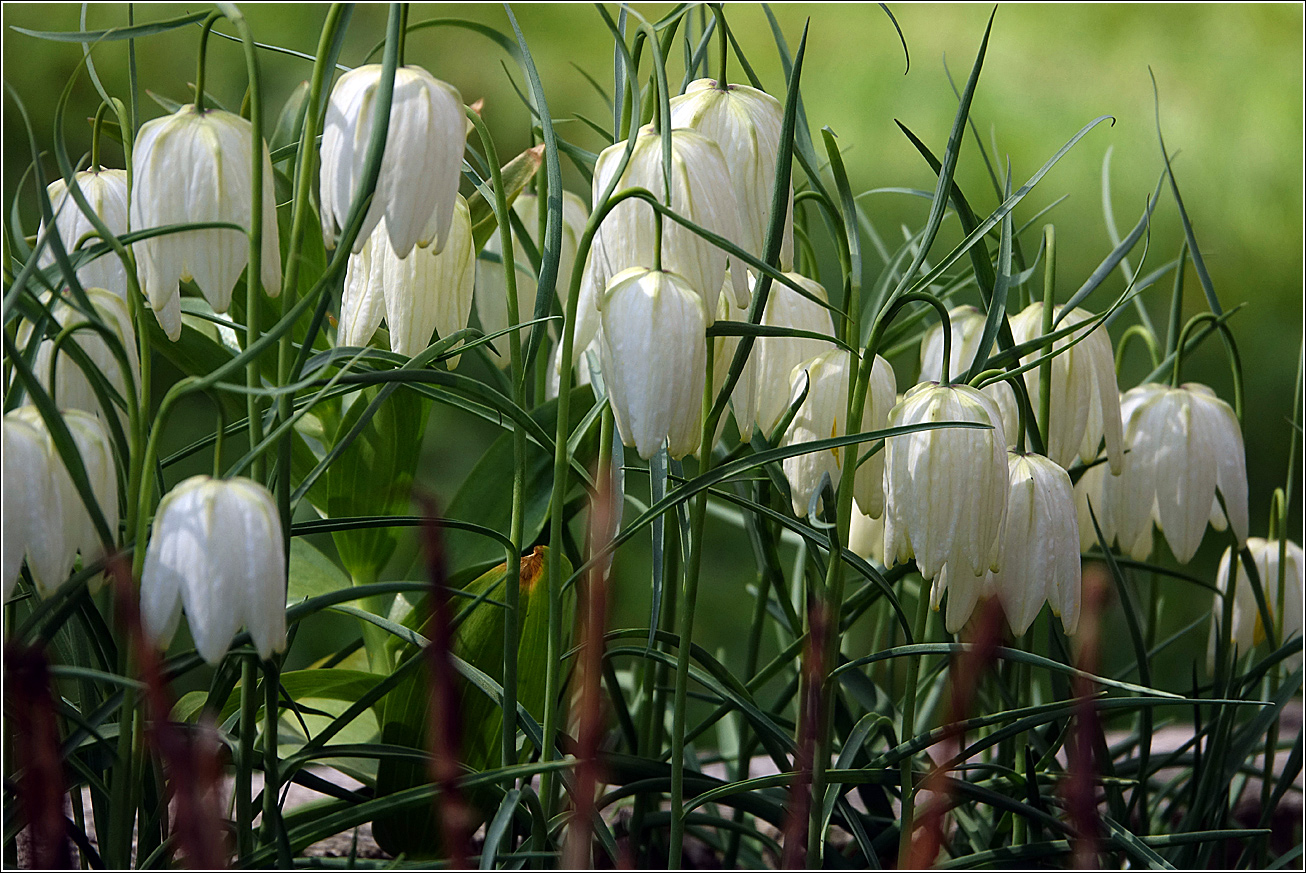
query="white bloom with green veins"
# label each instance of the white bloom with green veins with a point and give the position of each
(216, 551)
(967, 323)
(195, 166)
(106, 194)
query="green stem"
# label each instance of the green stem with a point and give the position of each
(205, 29)
(723, 36)
(909, 727)
(244, 780)
(685, 627)
(271, 759)
(403, 31)
(1045, 368)
(1137, 331)
(95, 136)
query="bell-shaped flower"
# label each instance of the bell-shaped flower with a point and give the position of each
(580, 365)
(1247, 629)
(653, 349)
(424, 293)
(1085, 403)
(1040, 553)
(866, 536)
(106, 194)
(1183, 444)
(492, 285)
(946, 488)
(51, 524)
(216, 550)
(701, 191)
(195, 166)
(746, 124)
(967, 324)
(420, 167)
(69, 385)
(822, 415)
(774, 357)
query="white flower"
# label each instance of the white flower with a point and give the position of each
(967, 323)
(70, 386)
(821, 416)
(1246, 630)
(946, 489)
(1085, 400)
(51, 520)
(195, 166)
(1040, 555)
(746, 124)
(423, 293)
(774, 358)
(420, 167)
(654, 353)
(216, 549)
(1183, 444)
(492, 286)
(701, 191)
(106, 194)
(581, 366)
(866, 536)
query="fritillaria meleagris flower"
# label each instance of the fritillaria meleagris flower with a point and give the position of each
(420, 166)
(1247, 629)
(967, 324)
(106, 194)
(1183, 445)
(821, 416)
(192, 166)
(423, 293)
(654, 352)
(216, 550)
(773, 358)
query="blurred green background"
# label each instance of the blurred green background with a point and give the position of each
(1230, 87)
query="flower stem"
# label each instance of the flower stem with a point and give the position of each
(1045, 368)
(201, 57)
(723, 36)
(95, 136)
(244, 780)
(909, 725)
(685, 627)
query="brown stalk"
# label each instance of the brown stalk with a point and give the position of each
(589, 713)
(451, 810)
(1080, 788)
(41, 781)
(809, 722)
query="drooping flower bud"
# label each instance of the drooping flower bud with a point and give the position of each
(423, 293)
(70, 387)
(420, 166)
(492, 286)
(1040, 553)
(195, 166)
(654, 352)
(52, 521)
(106, 194)
(1183, 444)
(1085, 399)
(216, 550)
(701, 191)
(946, 489)
(746, 124)
(821, 416)
(1247, 630)
(967, 328)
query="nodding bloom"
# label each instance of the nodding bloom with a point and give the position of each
(69, 386)
(106, 193)
(1085, 404)
(866, 536)
(424, 293)
(967, 323)
(654, 352)
(1247, 630)
(1040, 553)
(216, 550)
(822, 416)
(746, 124)
(701, 191)
(45, 518)
(1183, 445)
(773, 358)
(492, 285)
(193, 166)
(946, 491)
(420, 167)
